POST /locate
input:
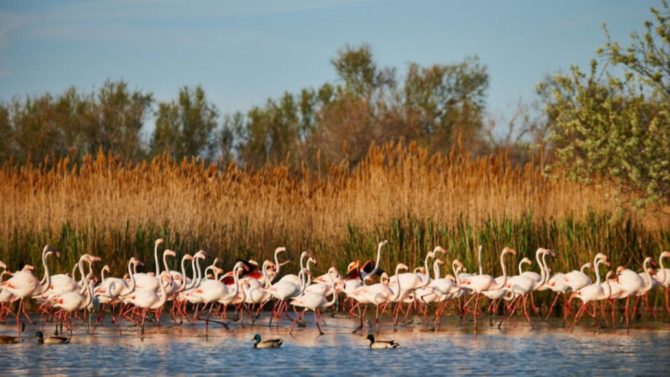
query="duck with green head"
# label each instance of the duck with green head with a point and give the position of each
(270, 343)
(51, 339)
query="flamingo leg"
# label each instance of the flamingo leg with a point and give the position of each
(553, 303)
(18, 317)
(626, 310)
(525, 308)
(476, 309)
(316, 319)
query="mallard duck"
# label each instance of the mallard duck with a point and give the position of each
(51, 339)
(7, 339)
(381, 344)
(270, 343)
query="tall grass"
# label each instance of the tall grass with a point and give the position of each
(403, 194)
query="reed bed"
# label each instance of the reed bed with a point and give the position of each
(403, 194)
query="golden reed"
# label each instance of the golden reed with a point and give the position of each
(401, 193)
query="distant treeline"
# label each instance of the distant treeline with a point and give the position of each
(334, 122)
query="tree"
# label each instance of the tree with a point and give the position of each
(647, 55)
(271, 133)
(618, 127)
(6, 135)
(443, 100)
(184, 127)
(118, 119)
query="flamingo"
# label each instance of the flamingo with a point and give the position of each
(662, 276)
(630, 283)
(236, 296)
(108, 293)
(520, 286)
(648, 284)
(380, 293)
(593, 292)
(147, 299)
(497, 290)
(410, 281)
(314, 302)
(24, 284)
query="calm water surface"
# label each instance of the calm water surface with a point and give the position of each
(545, 349)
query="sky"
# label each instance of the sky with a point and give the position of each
(243, 52)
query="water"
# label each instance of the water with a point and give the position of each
(545, 349)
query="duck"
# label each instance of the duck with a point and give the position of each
(270, 343)
(8, 339)
(51, 339)
(381, 344)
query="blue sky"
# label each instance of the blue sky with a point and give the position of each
(243, 52)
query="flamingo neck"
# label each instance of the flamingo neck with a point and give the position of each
(426, 269)
(479, 260)
(236, 279)
(158, 269)
(544, 268)
(132, 276)
(47, 276)
(264, 270)
(87, 292)
(194, 275)
(302, 260)
(199, 272)
(74, 270)
(504, 269)
(436, 270)
(597, 271)
(165, 264)
(209, 268)
(397, 280)
(584, 267)
(453, 268)
(538, 259)
(277, 265)
(333, 299)
(80, 264)
(183, 275)
(379, 257)
(650, 283)
(163, 296)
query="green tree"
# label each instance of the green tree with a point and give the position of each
(271, 134)
(617, 127)
(648, 55)
(184, 127)
(117, 120)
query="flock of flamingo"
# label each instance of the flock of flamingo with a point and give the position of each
(249, 287)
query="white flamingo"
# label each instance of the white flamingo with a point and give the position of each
(23, 284)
